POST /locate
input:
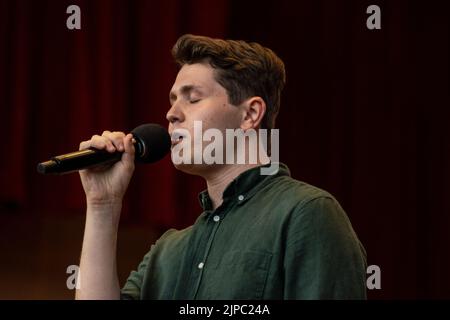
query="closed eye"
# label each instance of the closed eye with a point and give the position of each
(194, 101)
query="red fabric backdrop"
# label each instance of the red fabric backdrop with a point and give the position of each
(62, 86)
(364, 115)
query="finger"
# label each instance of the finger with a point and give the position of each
(128, 155)
(116, 138)
(84, 145)
(101, 142)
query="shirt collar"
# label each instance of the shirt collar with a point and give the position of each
(244, 186)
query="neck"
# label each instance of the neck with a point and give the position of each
(220, 178)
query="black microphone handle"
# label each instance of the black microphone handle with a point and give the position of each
(147, 137)
(78, 160)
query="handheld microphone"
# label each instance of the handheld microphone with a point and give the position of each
(152, 144)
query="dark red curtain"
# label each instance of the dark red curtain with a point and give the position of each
(61, 86)
(364, 115)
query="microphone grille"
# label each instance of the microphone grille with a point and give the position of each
(153, 142)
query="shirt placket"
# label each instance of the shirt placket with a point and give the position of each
(214, 218)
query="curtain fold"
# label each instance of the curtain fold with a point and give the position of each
(60, 86)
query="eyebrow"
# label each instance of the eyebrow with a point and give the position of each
(185, 91)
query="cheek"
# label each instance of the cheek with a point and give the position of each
(215, 113)
(226, 118)
(232, 116)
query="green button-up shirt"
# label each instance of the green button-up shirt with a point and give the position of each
(273, 237)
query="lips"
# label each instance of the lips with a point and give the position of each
(175, 142)
(176, 137)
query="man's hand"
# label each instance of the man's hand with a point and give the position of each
(105, 185)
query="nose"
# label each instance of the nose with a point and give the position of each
(174, 114)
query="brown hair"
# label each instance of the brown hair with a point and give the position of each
(243, 69)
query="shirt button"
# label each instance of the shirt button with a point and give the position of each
(216, 218)
(241, 197)
(200, 265)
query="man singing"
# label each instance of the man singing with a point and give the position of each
(260, 236)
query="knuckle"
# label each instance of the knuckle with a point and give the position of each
(98, 141)
(84, 145)
(119, 134)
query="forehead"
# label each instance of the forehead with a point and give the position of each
(197, 74)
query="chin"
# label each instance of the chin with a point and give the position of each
(194, 169)
(188, 168)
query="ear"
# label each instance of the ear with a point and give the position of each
(253, 111)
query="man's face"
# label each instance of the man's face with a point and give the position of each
(197, 96)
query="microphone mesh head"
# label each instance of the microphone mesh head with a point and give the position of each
(153, 142)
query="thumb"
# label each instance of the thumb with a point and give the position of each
(128, 155)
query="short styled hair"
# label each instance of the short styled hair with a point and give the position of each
(244, 69)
